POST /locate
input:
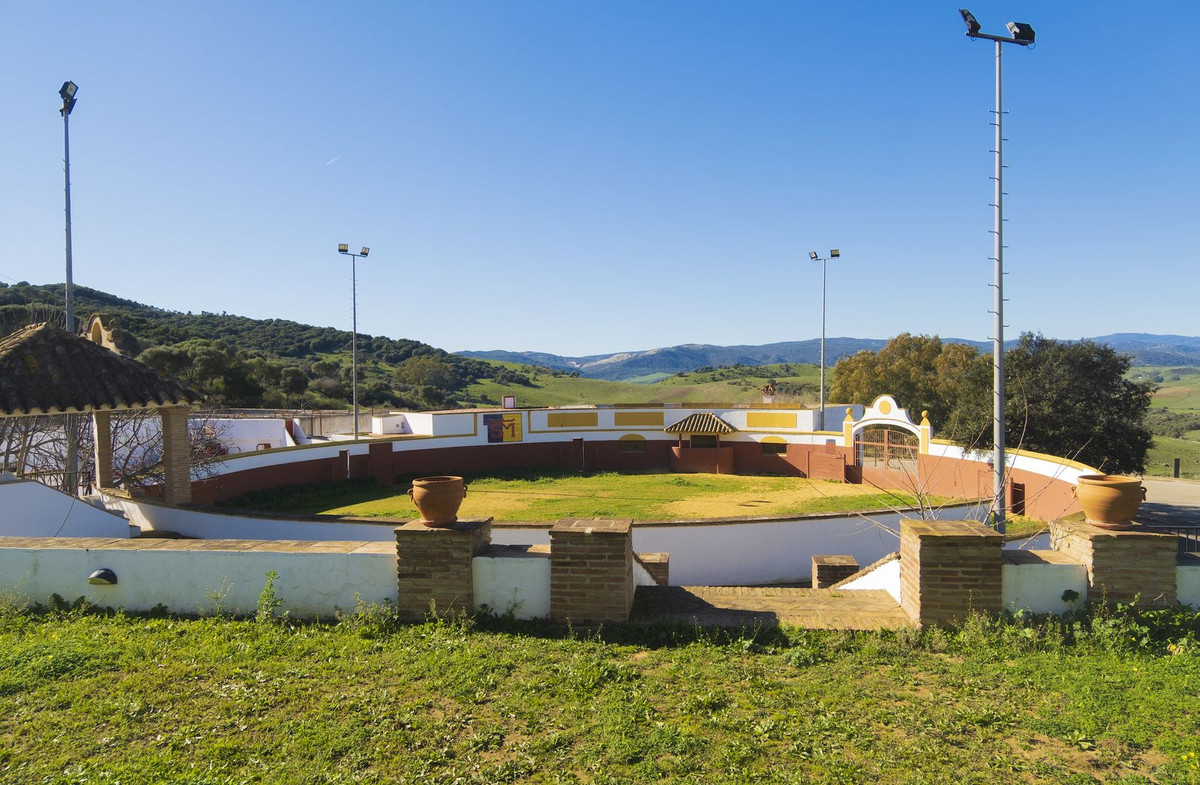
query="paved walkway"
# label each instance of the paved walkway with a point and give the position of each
(1170, 502)
(746, 606)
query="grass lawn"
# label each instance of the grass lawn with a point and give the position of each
(549, 496)
(98, 698)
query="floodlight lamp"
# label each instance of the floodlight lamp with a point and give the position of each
(343, 248)
(834, 254)
(971, 21)
(1021, 31)
(103, 577)
(364, 252)
(68, 90)
(812, 255)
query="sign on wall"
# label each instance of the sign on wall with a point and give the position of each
(502, 427)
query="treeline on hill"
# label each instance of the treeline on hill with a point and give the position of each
(271, 363)
(1069, 399)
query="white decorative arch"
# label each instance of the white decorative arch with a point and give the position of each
(885, 411)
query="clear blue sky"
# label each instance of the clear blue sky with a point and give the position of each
(592, 177)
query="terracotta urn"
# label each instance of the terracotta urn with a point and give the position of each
(1108, 501)
(438, 499)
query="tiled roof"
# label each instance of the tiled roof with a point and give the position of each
(701, 423)
(47, 370)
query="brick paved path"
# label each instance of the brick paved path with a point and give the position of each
(745, 606)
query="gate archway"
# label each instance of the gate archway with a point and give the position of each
(887, 455)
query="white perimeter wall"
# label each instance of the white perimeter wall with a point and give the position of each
(30, 509)
(1187, 587)
(201, 581)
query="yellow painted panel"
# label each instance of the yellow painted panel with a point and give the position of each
(638, 418)
(770, 419)
(572, 419)
(774, 440)
(633, 437)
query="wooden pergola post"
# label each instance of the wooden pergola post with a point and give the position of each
(102, 433)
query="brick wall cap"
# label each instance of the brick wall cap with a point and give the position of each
(461, 526)
(836, 560)
(957, 529)
(1090, 532)
(595, 526)
(1015, 556)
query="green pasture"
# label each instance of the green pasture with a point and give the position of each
(89, 697)
(550, 495)
(1163, 452)
(721, 385)
(1178, 388)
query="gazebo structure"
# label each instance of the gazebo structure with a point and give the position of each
(703, 451)
(45, 370)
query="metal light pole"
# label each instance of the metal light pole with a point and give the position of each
(343, 248)
(71, 472)
(1022, 34)
(833, 254)
(68, 91)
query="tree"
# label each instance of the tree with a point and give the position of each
(427, 371)
(1066, 399)
(920, 371)
(1069, 399)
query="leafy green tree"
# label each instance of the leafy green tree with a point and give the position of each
(427, 371)
(922, 372)
(1069, 399)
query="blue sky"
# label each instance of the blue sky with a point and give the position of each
(583, 178)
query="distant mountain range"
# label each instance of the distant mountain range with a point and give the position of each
(1146, 349)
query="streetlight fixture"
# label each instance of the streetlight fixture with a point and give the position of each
(343, 248)
(1022, 34)
(833, 254)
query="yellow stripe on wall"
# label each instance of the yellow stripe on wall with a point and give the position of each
(572, 419)
(638, 418)
(770, 419)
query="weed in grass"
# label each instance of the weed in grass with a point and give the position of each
(268, 601)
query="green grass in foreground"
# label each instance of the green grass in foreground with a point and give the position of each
(88, 697)
(547, 495)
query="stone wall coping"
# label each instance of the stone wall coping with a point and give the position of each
(461, 526)
(1090, 532)
(1014, 556)
(665, 558)
(593, 526)
(950, 529)
(160, 544)
(515, 552)
(836, 560)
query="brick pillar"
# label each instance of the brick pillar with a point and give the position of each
(379, 457)
(102, 433)
(433, 566)
(591, 570)
(949, 568)
(176, 455)
(1121, 564)
(828, 570)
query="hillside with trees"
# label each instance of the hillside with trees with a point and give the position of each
(272, 363)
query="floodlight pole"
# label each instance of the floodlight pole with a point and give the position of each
(834, 254)
(71, 470)
(998, 460)
(342, 249)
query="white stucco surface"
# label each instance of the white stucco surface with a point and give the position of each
(1039, 587)
(519, 585)
(886, 576)
(201, 581)
(1187, 587)
(30, 509)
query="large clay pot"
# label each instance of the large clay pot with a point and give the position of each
(1108, 501)
(438, 499)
